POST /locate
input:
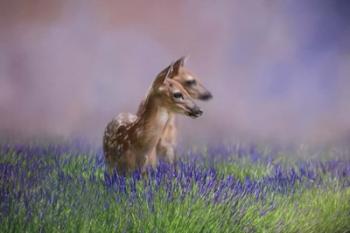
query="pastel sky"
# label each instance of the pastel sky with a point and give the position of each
(278, 70)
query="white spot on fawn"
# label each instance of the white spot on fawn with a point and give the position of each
(131, 117)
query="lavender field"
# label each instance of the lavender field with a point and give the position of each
(228, 188)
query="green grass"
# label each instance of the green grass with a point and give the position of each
(68, 194)
(244, 168)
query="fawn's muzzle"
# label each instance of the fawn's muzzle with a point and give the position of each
(206, 96)
(195, 112)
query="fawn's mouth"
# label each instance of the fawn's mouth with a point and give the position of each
(194, 113)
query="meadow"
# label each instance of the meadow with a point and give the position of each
(62, 187)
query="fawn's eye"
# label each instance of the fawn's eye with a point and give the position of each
(191, 82)
(178, 95)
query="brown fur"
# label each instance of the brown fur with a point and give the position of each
(166, 145)
(129, 141)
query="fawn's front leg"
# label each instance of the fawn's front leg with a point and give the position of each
(151, 159)
(166, 152)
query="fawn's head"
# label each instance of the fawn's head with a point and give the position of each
(189, 81)
(172, 96)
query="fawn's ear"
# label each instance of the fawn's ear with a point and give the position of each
(179, 63)
(166, 73)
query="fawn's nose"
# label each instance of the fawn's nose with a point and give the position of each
(195, 112)
(206, 96)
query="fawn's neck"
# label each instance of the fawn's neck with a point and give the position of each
(151, 122)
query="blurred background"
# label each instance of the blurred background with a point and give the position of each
(278, 70)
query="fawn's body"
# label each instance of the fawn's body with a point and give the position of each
(166, 145)
(129, 141)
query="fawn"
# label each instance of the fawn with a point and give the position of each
(165, 149)
(129, 140)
